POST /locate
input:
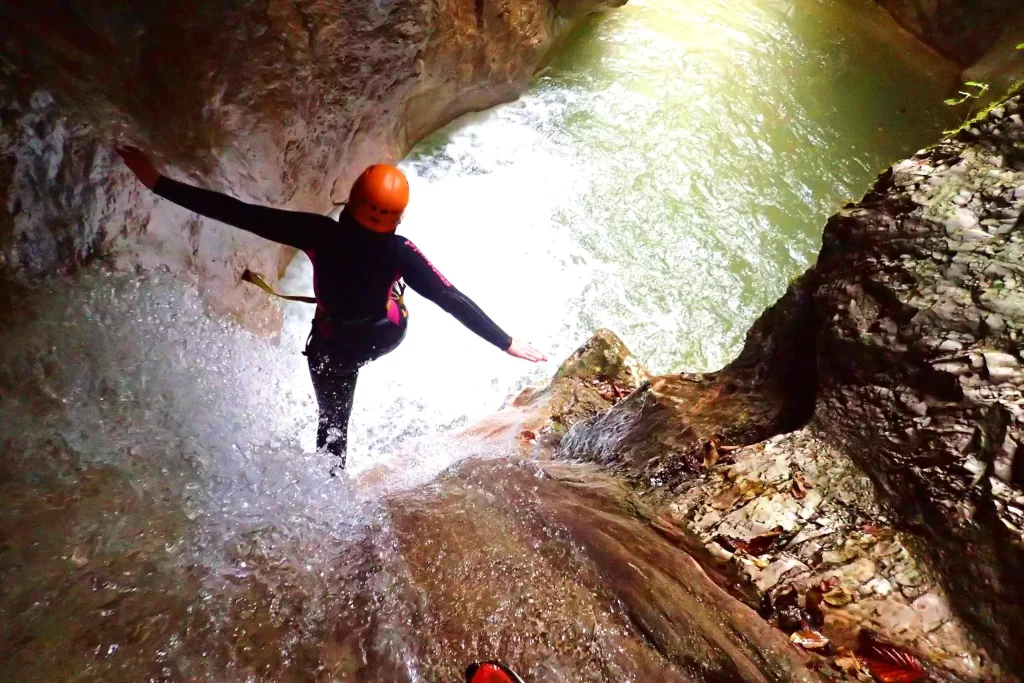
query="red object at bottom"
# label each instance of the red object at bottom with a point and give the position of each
(491, 672)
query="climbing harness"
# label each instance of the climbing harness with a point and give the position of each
(249, 276)
(397, 297)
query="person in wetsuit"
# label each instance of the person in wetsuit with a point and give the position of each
(358, 261)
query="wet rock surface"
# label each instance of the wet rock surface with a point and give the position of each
(795, 515)
(562, 556)
(594, 378)
(559, 569)
(909, 370)
(279, 103)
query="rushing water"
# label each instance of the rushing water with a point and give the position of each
(161, 515)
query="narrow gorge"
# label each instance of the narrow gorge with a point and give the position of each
(786, 447)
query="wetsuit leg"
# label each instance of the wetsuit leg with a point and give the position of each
(334, 368)
(335, 390)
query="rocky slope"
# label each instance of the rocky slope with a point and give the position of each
(901, 350)
(276, 101)
(858, 467)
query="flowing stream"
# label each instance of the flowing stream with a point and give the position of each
(162, 516)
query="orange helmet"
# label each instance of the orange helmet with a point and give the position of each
(379, 197)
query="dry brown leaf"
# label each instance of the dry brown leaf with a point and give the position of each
(800, 486)
(810, 639)
(730, 544)
(828, 584)
(838, 597)
(849, 663)
(759, 545)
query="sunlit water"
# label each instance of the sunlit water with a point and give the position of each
(664, 177)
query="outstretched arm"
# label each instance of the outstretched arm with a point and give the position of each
(421, 275)
(293, 228)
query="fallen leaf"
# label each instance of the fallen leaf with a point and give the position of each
(730, 544)
(800, 487)
(873, 530)
(887, 662)
(810, 639)
(838, 597)
(849, 663)
(759, 545)
(527, 435)
(760, 562)
(828, 584)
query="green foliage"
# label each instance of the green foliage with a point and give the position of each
(979, 90)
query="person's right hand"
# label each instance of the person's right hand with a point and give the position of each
(139, 164)
(525, 350)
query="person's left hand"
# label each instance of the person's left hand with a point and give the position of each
(525, 350)
(139, 164)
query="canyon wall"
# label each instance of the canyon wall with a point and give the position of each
(962, 31)
(279, 102)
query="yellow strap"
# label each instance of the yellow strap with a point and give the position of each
(255, 279)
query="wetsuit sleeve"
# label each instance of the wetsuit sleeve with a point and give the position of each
(293, 228)
(421, 275)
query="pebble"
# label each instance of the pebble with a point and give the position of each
(962, 219)
(957, 369)
(909, 577)
(860, 571)
(774, 572)
(878, 586)
(950, 345)
(896, 618)
(999, 359)
(80, 557)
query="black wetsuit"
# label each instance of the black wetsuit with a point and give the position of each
(355, 272)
